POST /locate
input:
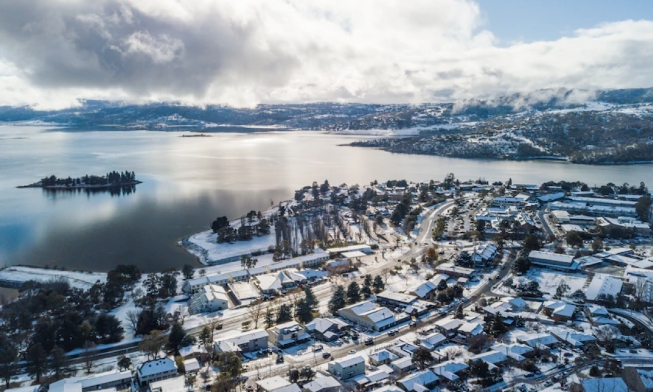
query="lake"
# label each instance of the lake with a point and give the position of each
(188, 182)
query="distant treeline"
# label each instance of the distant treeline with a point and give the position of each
(111, 178)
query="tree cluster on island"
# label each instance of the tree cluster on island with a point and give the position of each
(253, 224)
(111, 179)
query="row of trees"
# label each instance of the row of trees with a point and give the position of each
(111, 178)
(354, 292)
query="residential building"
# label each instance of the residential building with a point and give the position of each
(518, 352)
(449, 371)
(614, 384)
(192, 286)
(491, 357)
(347, 367)
(395, 299)
(426, 290)
(210, 298)
(244, 342)
(638, 378)
(454, 270)
(326, 329)
(244, 292)
(114, 379)
(288, 334)
(382, 357)
(173, 384)
(432, 341)
(275, 383)
(156, 370)
(574, 339)
(323, 384)
(418, 381)
(367, 249)
(559, 310)
(552, 260)
(369, 315)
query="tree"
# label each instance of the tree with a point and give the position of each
(562, 289)
(573, 238)
(522, 264)
(311, 300)
(57, 362)
(188, 271)
(284, 314)
(643, 208)
(89, 355)
(367, 286)
(124, 363)
(268, 318)
(597, 244)
(36, 358)
(8, 358)
(479, 368)
(175, 337)
(231, 368)
(247, 262)
(337, 301)
(476, 343)
(378, 284)
(152, 344)
(293, 375)
(108, 329)
(307, 374)
(578, 295)
(497, 324)
(422, 358)
(531, 242)
(206, 336)
(353, 293)
(442, 285)
(255, 312)
(303, 311)
(459, 312)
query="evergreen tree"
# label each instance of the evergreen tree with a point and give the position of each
(206, 336)
(459, 312)
(311, 301)
(176, 337)
(8, 358)
(268, 318)
(378, 284)
(338, 300)
(124, 363)
(37, 359)
(497, 324)
(442, 285)
(284, 314)
(422, 358)
(57, 362)
(303, 311)
(353, 293)
(367, 286)
(188, 271)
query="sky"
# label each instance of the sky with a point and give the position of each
(54, 53)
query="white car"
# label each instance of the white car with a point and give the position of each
(352, 351)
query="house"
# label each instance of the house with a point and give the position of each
(419, 381)
(491, 357)
(638, 378)
(603, 285)
(271, 384)
(244, 342)
(554, 261)
(326, 329)
(114, 379)
(367, 249)
(559, 310)
(471, 329)
(615, 384)
(448, 326)
(244, 292)
(314, 259)
(174, 384)
(449, 371)
(574, 339)
(484, 253)
(518, 352)
(288, 334)
(382, 357)
(518, 303)
(538, 340)
(369, 315)
(323, 384)
(454, 270)
(426, 290)
(402, 365)
(192, 286)
(347, 367)
(209, 299)
(395, 299)
(156, 370)
(369, 380)
(191, 366)
(66, 385)
(432, 341)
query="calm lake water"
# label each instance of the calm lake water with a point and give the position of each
(187, 182)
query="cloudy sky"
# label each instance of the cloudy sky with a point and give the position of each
(54, 52)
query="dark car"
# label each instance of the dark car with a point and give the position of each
(326, 354)
(369, 342)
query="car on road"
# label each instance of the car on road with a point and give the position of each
(369, 342)
(352, 351)
(326, 354)
(392, 333)
(413, 324)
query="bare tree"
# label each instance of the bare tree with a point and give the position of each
(606, 333)
(90, 356)
(255, 312)
(132, 319)
(453, 352)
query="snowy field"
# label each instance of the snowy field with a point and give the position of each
(204, 246)
(550, 280)
(83, 280)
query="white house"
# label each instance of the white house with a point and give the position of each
(156, 370)
(209, 299)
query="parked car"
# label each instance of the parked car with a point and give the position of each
(352, 351)
(392, 333)
(326, 354)
(369, 342)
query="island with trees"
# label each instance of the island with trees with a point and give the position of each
(112, 179)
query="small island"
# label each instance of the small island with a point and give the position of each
(197, 135)
(112, 179)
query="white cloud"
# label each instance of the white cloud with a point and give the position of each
(245, 52)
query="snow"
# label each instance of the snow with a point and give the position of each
(83, 280)
(550, 280)
(204, 246)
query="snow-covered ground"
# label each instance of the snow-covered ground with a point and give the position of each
(205, 247)
(83, 280)
(550, 280)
